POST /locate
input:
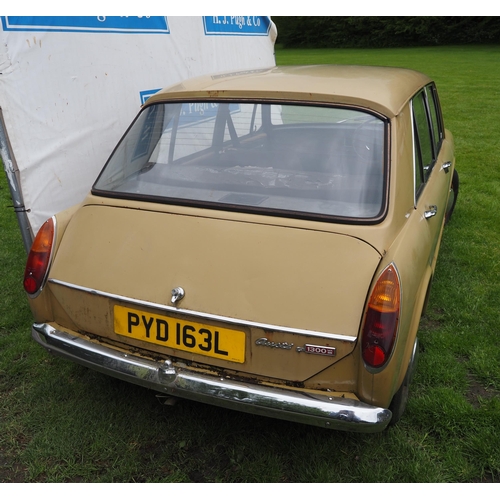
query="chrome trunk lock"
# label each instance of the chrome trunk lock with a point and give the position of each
(177, 294)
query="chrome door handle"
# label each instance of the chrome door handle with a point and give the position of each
(446, 166)
(431, 212)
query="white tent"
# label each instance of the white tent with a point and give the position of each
(70, 86)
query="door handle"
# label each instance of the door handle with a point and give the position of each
(446, 166)
(431, 212)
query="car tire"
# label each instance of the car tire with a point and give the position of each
(453, 196)
(398, 403)
(399, 400)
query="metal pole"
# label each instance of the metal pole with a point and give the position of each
(11, 170)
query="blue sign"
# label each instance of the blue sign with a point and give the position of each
(88, 24)
(146, 94)
(237, 25)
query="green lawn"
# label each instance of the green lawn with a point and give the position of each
(61, 422)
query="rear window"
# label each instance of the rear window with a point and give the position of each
(282, 159)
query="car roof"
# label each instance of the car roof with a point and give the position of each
(382, 89)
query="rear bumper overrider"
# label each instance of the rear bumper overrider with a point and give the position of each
(162, 376)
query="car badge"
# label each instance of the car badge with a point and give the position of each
(177, 295)
(276, 345)
(322, 350)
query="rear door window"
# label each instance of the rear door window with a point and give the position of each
(428, 134)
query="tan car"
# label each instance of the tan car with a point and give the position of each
(263, 241)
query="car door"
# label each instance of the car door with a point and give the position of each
(433, 161)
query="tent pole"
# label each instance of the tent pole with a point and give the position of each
(11, 170)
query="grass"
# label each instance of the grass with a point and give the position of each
(60, 422)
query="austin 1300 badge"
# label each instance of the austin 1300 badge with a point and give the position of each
(307, 348)
(317, 349)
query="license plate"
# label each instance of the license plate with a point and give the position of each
(221, 343)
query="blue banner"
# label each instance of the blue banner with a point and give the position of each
(88, 24)
(237, 25)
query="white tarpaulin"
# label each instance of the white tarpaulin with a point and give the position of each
(70, 86)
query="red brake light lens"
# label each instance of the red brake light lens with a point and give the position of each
(381, 319)
(39, 258)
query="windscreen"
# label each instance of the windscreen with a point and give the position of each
(284, 159)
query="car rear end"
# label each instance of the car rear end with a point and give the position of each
(218, 258)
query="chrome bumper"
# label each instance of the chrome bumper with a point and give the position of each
(323, 411)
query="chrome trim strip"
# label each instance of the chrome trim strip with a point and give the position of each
(412, 112)
(332, 412)
(215, 317)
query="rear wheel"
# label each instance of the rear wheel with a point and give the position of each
(452, 200)
(399, 400)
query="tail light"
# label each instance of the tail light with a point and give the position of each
(381, 319)
(38, 262)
